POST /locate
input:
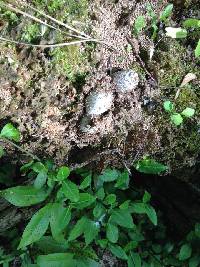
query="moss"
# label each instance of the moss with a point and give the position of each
(141, 72)
(69, 61)
(188, 98)
(31, 32)
(171, 64)
(65, 9)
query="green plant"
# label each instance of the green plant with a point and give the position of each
(150, 166)
(139, 24)
(190, 24)
(92, 210)
(156, 20)
(80, 210)
(175, 117)
(31, 32)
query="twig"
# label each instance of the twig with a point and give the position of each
(139, 58)
(20, 148)
(50, 45)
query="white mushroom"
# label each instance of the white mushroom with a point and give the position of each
(98, 102)
(126, 81)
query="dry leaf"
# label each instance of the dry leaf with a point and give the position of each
(189, 77)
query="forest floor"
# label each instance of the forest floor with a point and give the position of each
(44, 91)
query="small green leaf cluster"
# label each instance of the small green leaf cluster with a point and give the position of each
(8, 15)
(11, 133)
(150, 166)
(175, 117)
(141, 21)
(189, 25)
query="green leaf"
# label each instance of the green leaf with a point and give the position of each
(177, 119)
(151, 213)
(99, 210)
(110, 199)
(122, 218)
(134, 260)
(125, 205)
(191, 23)
(63, 173)
(56, 260)
(151, 13)
(60, 218)
(130, 246)
(1, 152)
(146, 198)
(176, 33)
(91, 231)
(102, 243)
(47, 245)
(78, 229)
(40, 180)
(86, 182)
(109, 175)
(100, 193)
(39, 167)
(144, 208)
(138, 208)
(188, 112)
(140, 23)
(118, 252)
(84, 201)
(185, 252)
(112, 233)
(86, 263)
(197, 49)
(123, 180)
(150, 166)
(10, 132)
(167, 12)
(26, 167)
(70, 190)
(24, 196)
(37, 226)
(194, 261)
(168, 106)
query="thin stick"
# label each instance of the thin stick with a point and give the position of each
(20, 148)
(139, 58)
(50, 45)
(60, 23)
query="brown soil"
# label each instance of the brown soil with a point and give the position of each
(48, 108)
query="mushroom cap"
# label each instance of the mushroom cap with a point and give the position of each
(98, 102)
(126, 81)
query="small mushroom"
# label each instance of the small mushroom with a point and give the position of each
(98, 102)
(126, 81)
